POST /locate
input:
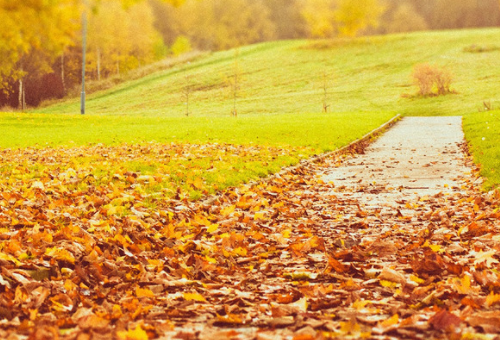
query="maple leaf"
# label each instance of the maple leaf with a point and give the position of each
(492, 299)
(487, 257)
(60, 254)
(337, 265)
(445, 321)
(301, 304)
(463, 285)
(387, 325)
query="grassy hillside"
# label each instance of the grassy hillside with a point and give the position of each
(366, 74)
(280, 94)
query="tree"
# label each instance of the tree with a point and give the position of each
(287, 19)
(327, 18)
(320, 17)
(354, 16)
(216, 24)
(34, 34)
(404, 18)
(121, 38)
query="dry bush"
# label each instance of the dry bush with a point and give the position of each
(7, 108)
(432, 80)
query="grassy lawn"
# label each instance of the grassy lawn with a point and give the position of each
(482, 132)
(365, 74)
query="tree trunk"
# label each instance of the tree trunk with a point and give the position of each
(22, 97)
(98, 64)
(62, 74)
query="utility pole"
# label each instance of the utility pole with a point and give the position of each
(84, 51)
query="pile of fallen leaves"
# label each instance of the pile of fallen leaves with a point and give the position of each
(290, 257)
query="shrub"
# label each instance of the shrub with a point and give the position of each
(432, 80)
(181, 45)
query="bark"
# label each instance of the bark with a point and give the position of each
(98, 64)
(62, 74)
(22, 96)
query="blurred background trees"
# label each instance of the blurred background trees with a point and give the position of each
(40, 53)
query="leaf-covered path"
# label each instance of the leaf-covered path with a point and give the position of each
(295, 257)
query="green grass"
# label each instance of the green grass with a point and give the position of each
(482, 132)
(317, 132)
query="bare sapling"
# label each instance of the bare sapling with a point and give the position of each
(325, 93)
(186, 92)
(487, 105)
(235, 85)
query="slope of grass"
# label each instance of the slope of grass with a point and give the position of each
(482, 130)
(364, 74)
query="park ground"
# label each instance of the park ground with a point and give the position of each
(133, 220)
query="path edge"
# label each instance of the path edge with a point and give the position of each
(354, 147)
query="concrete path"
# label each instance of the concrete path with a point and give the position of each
(418, 157)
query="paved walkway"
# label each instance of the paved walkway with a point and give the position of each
(418, 157)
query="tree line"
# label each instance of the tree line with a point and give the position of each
(40, 42)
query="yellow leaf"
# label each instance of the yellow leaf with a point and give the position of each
(349, 327)
(259, 216)
(388, 284)
(8, 257)
(301, 275)
(434, 247)
(135, 334)
(213, 228)
(194, 297)
(240, 251)
(210, 259)
(416, 279)
(228, 210)
(69, 285)
(492, 299)
(463, 285)
(286, 233)
(60, 254)
(198, 183)
(360, 305)
(143, 292)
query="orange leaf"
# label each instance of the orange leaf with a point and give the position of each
(337, 266)
(492, 299)
(140, 292)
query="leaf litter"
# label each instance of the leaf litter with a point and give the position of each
(289, 257)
